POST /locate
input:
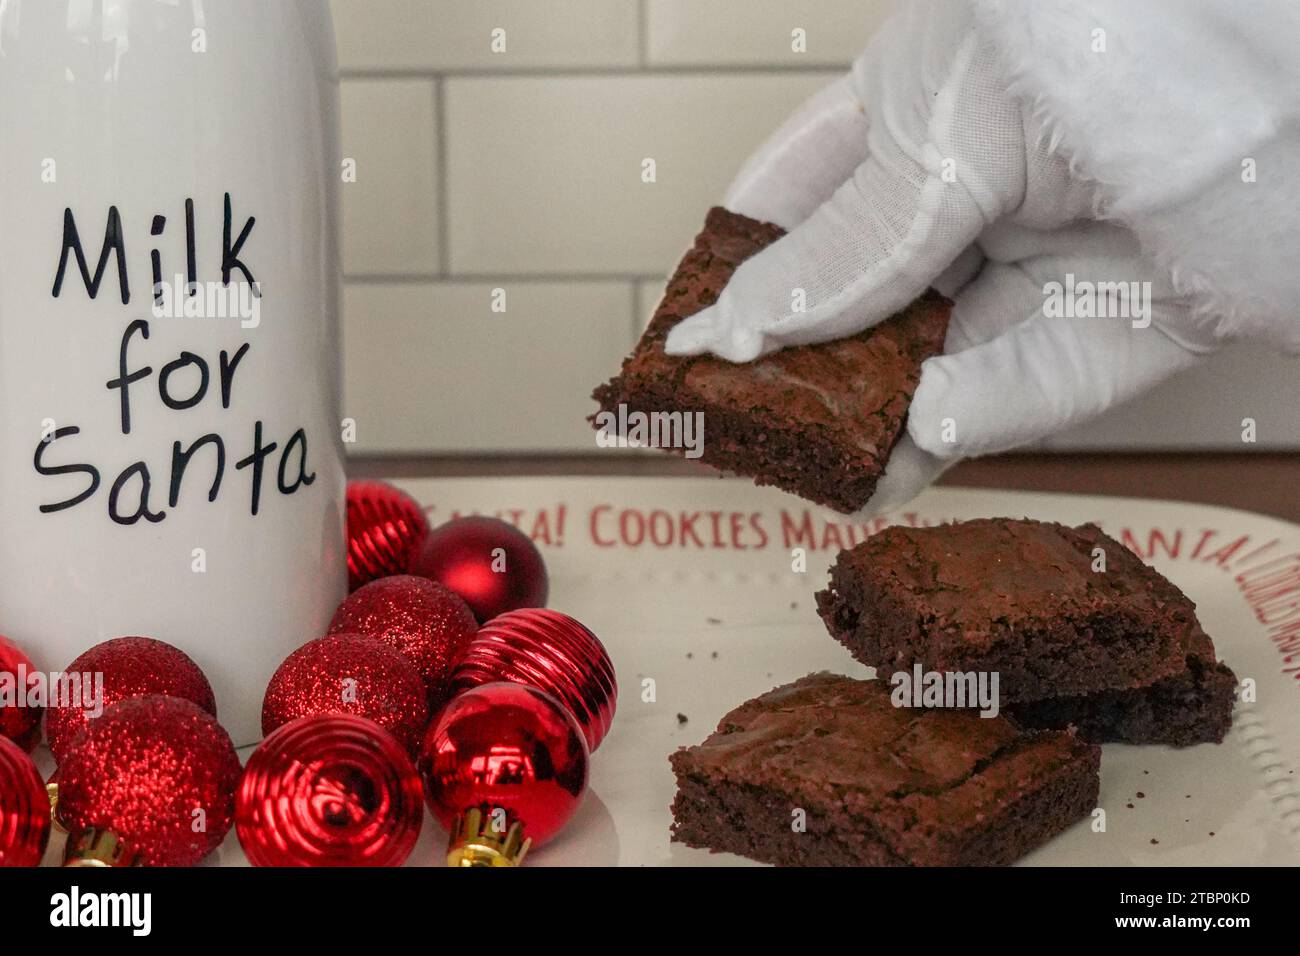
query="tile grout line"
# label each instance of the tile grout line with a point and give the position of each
(643, 33)
(540, 278)
(635, 296)
(442, 199)
(663, 70)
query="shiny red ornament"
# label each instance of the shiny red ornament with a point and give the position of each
(151, 782)
(24, 808)
(507, 750)
(20, 721)
(334, 790)
(349, 674)
(423, 620)
(131, 667)
(552, 652)
(385, 527)
(493, 565)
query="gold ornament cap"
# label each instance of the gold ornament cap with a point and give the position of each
(476, 840)
(100, 848)
(52, 791)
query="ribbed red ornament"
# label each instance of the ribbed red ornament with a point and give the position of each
(510, 751)
(550, 651)
(385, 526)
(22, 724)
(151, 782)
(131, 667)
(334, 790)
(349, 674)
(24, 808)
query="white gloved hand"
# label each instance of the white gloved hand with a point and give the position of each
(919, 169)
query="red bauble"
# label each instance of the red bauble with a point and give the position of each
(385, 526)
(506, 748)
(24, 808)
(423, 620)
(131, 667)
(151, 782)
(349, 674)
(550, 651)
(491, 564)
(334, 790)
(22, 724)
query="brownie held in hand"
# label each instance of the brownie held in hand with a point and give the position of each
(877, 785)
(818, 421)
(1054, 611)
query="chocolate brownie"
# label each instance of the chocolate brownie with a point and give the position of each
(1191, 707)
(818, 421)
(1015, 597)
(877, 785)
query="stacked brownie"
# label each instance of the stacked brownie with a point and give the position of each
(1079, 630)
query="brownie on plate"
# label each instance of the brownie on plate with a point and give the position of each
(1016, 597)
(1193, 706)
(827, 771)
(818, 421)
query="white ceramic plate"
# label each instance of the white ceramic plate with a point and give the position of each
(689, 583)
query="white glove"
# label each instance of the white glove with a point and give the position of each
(919, 169)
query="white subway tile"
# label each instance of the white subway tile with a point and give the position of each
(458, 34)
(546, 174)
(430, 368)
(1204, 409)
(760, 32)
(390, 213)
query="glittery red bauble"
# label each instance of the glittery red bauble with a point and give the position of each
(131, 667)
(349, 674)
(506, 747)
(491, 564)
(423, 620)
(385, 526)
(21, 724)
(550, 651)
(24, 808)
(333, 790)
(159, 773)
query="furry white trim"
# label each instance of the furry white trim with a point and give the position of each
(1169, 105)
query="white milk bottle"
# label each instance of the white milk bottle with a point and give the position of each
(170, 455)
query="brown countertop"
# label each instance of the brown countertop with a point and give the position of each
(1265, 482)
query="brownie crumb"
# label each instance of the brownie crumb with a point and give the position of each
(713, 620)
(1140, 795)
(681, 719)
